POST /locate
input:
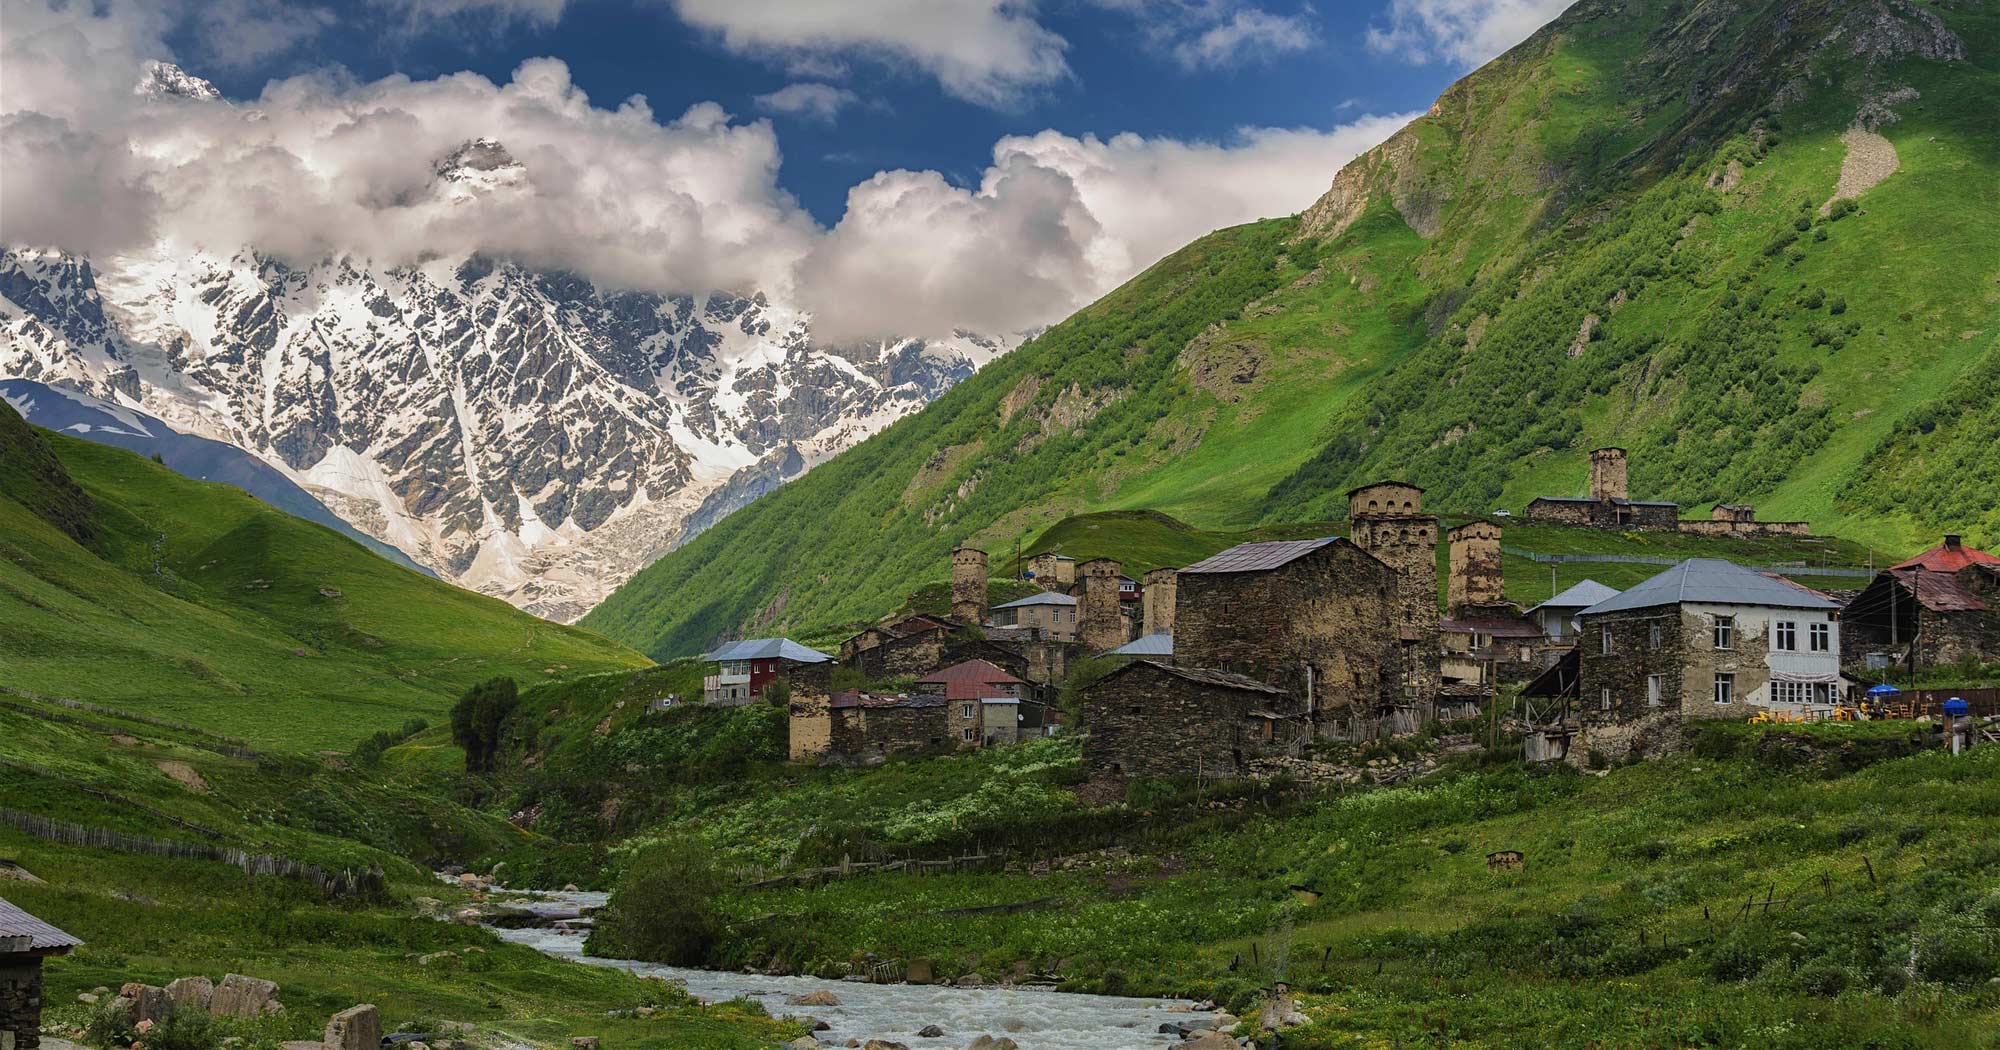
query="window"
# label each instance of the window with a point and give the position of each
(1606, 632)
(1655, 633)
(965, 711)
(1655, 686)
(1604, 699)
(1788, 636)
(1822, 637)
(968, 733)
(1725, 688)
(1725, 634)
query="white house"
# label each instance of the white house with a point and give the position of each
(1557, 615)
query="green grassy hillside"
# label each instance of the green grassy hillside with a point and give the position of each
(195, 602)
(1625, 231)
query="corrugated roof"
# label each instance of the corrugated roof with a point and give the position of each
(768, 648)
(1938, 591)
(1580, 595)
(1947, 558)
(1259, 557)
(1711, 581)
(1161, 644)
(1497, 626)
(1044, 598)
(970, 680)
(42, 937)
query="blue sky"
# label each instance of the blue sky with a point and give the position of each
(895, 167)
(1129, 66)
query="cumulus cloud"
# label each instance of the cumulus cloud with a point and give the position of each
(325, 165)
(808, 99)
(424, 14)
(1464, 32)
(1055, 222)
(985, 51)
(1245, 35)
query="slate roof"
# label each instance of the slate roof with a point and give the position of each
(853, 698)
(1044, 598)
(1206, 676)
(1616, 502)
(1497, 626)
(42, 937)
(1161, 644)
(1711, 581)
(1580, 595)
(1942, 558)
(766, 649)
(1258, 557)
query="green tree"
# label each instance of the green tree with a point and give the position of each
(477, 718)
(664, 908)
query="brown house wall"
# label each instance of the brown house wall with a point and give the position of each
(1147, 723)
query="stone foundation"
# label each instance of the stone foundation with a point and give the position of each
(21, 1004)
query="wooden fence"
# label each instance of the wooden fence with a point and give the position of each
(1794, 569)
(112, 797)
(348, 882)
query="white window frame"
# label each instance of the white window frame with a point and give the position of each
(1656, 689)
(969, 734)
(1604, 699)
(1655, 634)
(1785, 636)
(965, 711)
(1725, 632)
(1819, 636)
(1607, 640)
(1725, 688)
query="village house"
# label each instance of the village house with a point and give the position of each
(858, 726)
(1608, 506)
(1704, 639)
(746, 667)
(1156, 647)
(1050, 615)
(1485, 640)
(1052, 571)
(24, 942)
(1387, 520)
(1315, 619)
(1940, 607)
(909, 646)
(1103, 617)
(1157, 594)
(1556, 617)
(1149, 719)
(984, 705)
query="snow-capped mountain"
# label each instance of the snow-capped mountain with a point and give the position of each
(527, 434)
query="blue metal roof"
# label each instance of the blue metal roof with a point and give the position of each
(768, 648)
(1712, 581)
(1579, 596)
(1161, 644)
(1044, 598)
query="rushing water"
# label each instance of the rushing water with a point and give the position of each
(1036, 1019)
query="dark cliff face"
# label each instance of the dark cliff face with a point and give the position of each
(30, 473)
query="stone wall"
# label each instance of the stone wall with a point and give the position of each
(1146, 722)
(1407, 544)
(1608, 474)
(1476, 575)
(968, 585)
(1606, 514)
(811, 730)
(1053, 572)
(1328, 616)
(865, 733)
(21, 1003)
(1157, 601)
(1745, 529)
(1645, 643)
(1100, 617)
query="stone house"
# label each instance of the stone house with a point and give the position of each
(1050, 615)
(1052, 571)
(1156, 647)
(1488, 647)
(856, 726)
(1704, 639)
(746, 667)
(1156, 598)
(1609, 505)
(1315, 619)
(24, 942)
(911, 645)
(1102, 620)
(984, 705)
(1387, 520)
(1942, 606)
(1556, 617)
(1150, 719)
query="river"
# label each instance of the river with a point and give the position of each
(1034, 1018)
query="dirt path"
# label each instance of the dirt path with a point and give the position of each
(1870, 159)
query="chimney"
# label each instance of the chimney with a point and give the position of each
(1951, 541)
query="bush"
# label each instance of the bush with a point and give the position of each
(476, 720)
(185, 1029)
(109, 1026)
(664, 908)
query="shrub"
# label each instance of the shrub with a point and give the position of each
(109, 1026)
(476, 720)
(664, 908)
(1596, 760)
(185, 1029)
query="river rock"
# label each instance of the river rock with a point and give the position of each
(970, 980)
(240, 996)
(818, 997)
(804, 1042)
(191, 993)
(149, 1002)
(919, 971)
(987, 1042)
(1210, 1041)
(931, 1031)
(883, 1044)
(355, 1028)
(583, 1042)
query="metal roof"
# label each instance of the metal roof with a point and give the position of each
(1161, 644)
(1581, 595)
(42, 937)
(1497, 626)
(1711, 581)
(769, 648)
(1949, 557)
(1259, 557)
(1614, 501)
(1044, 598)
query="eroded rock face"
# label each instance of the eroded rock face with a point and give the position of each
(355, 1028)
(240, 996)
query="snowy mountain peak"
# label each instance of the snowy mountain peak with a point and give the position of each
(479, 167)
(166, 80)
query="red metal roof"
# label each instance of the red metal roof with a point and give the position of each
(1938, 591)
(969, 680)
(1949, 557)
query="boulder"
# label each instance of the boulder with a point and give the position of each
(240, 996)
(149, 1001)
(819, 997)
(583, 1042)
(919, 971)
(931, 1031)
(883, 1044)
(1210, 1041)
(302, 1044)
(987, 1042)
(804, 1042)
(970, 980)
(87, 998)
(355, 1028)
(191, 993)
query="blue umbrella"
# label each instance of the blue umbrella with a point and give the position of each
(1885, 689)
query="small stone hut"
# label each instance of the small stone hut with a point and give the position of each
(24, 942)
(1150, 719)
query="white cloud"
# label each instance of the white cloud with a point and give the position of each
(1246, 35)
(324, 164)
(1464, 32)
(816, 101)
(985, 51)
(419, 14)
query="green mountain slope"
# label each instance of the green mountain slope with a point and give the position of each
(195, 602)
(1758, 244)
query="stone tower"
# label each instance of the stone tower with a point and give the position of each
(1476, 577)
(1387, 520)
(1157, 600)
(968, 585)
(1100, 623)
(1607, 473)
